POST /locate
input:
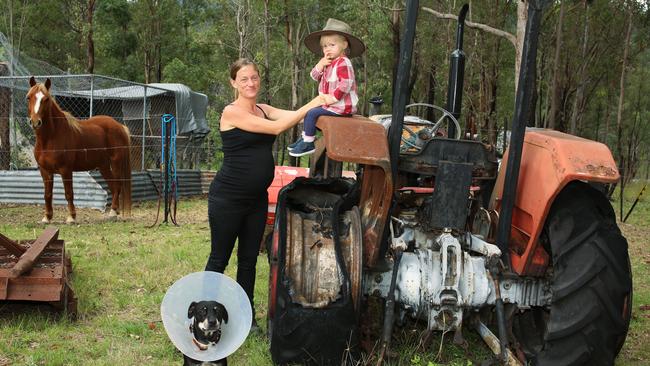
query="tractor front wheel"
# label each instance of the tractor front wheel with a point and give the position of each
(592, 285)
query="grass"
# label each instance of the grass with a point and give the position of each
(122, 270)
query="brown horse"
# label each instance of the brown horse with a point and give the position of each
(65, 144)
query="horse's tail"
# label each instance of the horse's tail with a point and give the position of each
(125, 195)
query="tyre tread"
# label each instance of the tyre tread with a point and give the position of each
(591, 281)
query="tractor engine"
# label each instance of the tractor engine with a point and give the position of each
(443, 273)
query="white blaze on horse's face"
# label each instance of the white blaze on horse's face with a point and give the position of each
(39, 96)
(35, 104)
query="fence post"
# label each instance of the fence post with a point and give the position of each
(144, 122)
(92, 93)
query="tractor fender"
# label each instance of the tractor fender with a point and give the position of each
(550, 160)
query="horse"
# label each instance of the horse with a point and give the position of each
(65, 144)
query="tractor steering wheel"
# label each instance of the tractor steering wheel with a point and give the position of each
(427, 130)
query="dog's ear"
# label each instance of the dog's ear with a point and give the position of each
(223, 313)
(191, 309)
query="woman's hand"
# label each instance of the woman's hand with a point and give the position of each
(329, 99)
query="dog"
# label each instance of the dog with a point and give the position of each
(207, 318)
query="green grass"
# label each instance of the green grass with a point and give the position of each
(637, 231)
(123, 269)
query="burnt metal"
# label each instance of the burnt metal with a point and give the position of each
(27, 259)
(311, 261)
(306, 334)
(40, 273)
(522, 109)
(457, 72)
(321, 166)
(451, 195)
(11, 246)
(426, 161)
(362, 141)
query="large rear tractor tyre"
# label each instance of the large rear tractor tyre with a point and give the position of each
(592, 283)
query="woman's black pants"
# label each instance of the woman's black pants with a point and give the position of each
(241, 221)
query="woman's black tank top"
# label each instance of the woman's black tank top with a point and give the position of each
(248, 166)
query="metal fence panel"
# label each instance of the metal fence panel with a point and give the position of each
(26, 186)
(140, 107)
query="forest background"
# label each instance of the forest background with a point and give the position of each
(592, 67)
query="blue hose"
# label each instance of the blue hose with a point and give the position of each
(171, 167)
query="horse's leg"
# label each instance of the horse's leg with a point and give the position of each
(69, 196)
(114, 187)
(48, 184)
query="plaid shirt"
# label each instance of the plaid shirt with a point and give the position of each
(337, 80)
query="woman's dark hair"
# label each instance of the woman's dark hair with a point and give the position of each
(237, 65)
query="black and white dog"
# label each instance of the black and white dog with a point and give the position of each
(207, 318)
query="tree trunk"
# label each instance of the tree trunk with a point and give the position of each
(158, 37)
(90, 44)
(267, 54)
(579, 102)
(363, 108)
(619, 114)
(492, 76)
(431, 91)
(608, 112)
(242, 16)
(522, 19)
(415, 70)
(634, 138)
(555, 85)
(394, 24)
(293, 50)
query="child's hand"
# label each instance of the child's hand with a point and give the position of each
(324, 62)
(329, 99)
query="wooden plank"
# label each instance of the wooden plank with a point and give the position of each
(11, 246)
(27, 260)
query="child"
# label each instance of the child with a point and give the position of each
(335, 76)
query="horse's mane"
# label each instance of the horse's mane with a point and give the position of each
(72, 121)
(69, 118)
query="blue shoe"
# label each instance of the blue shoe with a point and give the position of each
(303, 148)
(293, 145)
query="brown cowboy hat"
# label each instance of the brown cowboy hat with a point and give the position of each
(335, 26)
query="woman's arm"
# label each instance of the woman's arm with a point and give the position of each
(280, 120)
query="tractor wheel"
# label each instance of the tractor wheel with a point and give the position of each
(592, 285)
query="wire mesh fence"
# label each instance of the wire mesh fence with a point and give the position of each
(138, 106)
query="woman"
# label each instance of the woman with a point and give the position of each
(238, 201)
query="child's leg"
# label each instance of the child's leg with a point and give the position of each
(309, 125)
(310, 122)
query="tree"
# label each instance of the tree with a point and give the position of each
(555, 92)
(619, 128)
(89, 37)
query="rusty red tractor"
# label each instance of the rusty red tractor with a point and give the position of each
(435, 228)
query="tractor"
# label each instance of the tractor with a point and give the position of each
(437, 228)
